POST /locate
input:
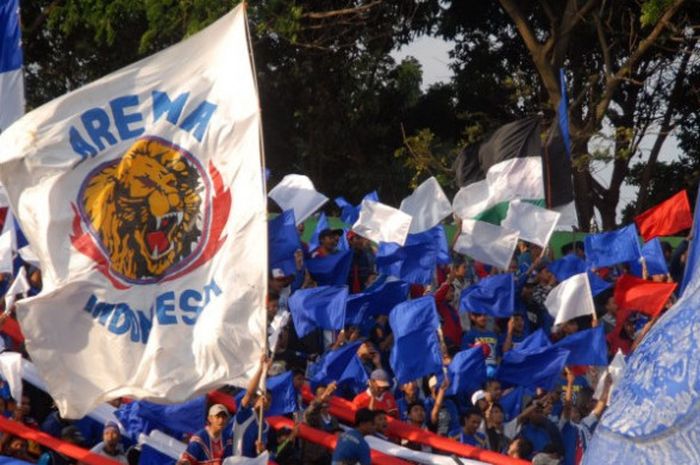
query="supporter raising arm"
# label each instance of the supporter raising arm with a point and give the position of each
(245, 424)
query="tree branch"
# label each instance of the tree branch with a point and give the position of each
(341, 12)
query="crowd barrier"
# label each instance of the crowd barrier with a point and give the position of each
(345, 411)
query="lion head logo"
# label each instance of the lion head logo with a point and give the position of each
(147, 212)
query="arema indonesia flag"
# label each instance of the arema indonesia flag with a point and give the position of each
(142, 196)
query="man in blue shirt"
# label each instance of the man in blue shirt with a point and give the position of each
(470, 430)
(245, 424)
(351, 447)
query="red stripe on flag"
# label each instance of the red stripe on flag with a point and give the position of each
(667, 218)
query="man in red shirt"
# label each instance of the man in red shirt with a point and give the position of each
(377, 396)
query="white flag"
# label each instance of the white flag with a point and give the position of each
(19, 286)
(616, 369)
(297, 192)
(570, 299)
(428, 205)
(142, 196)
(487, 243)
(382, 223)
(11, 370)
(6, 252)
(534, 224)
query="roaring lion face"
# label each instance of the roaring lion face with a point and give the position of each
(145, 209)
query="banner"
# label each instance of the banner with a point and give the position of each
(142, 196)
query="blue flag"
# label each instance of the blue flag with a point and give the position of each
(533, 368)
(415, 262)
(350, 213)
(494, 295)
(416, 351)
(567, 266)
(597, 283)
(378, 301)
(178, 420)
(331, 270)
(321, 224)
(563, 113)
(611, 248)
(318, 307)
(535, 341)
(354, 377)
(443, 249)
(587, 347)
(284, 396)
(654, 257)
(512, 403)
(283, 240)
(467, 371)
(333, 364)
(151, 456)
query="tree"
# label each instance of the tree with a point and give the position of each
(621, 60)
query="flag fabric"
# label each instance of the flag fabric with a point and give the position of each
(534, 224)
(331, 270)
(653, 255)
(494, 295)
(332, 365)
(587, 347)
(416, 350)
(567, 266)
(284, 396)
(487, 243)
(563, 112)
(611, 248)
(321, 224)
(318, 307)
(354, 377)
(570, 299)
(556, 157)
(647, 297)
(349, 213)
(533, 368)
(28, 256)
(11, 60)
(11, 371)
(179, 420)
(427, 205)
(297, 192)
(415, 262)
(512, 403)
(144, 201)
(667, 218)
(466, 371)
(283, 242)
(382, 223)
(535, 341)
(693, 255)
(6, 252)
(597, 283)
(19, 285)
(378, 301)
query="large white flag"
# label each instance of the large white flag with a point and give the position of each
(534, 224)
(570, 299)
(487, 243)
(428, 205)
(297, 192)
(382, 223)
(142, 195)
(11, 79)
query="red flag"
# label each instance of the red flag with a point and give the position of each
(668, 217)
(643, 296)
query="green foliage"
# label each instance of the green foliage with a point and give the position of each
(652, 10)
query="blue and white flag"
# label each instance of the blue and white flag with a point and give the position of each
(142, 196)
(11, 60)
(349, 213)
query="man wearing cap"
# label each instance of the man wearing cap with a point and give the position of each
(211, 445)
(377, 395)
(328, 242)
(351, 447)
(110, 446)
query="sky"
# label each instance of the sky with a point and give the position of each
(433, 54)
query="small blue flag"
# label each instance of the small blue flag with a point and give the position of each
(416, 351)
(283, 240)
(693, 255)
(333, 364)
(494, 295)
(378, 301)
(331, 270)
(443, 249)
(321, 224)
(512, 403)
(654, 257)
(415, 262)
(563, 112)
(284, 396)
(533, 368)
(318, 307)
(567, 266)
(587, 347)
(178, 420)
(535, 341)
(597, 283)
(611, 248)
(354, 377)
(467, 371)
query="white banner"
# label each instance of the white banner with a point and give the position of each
(142, 196)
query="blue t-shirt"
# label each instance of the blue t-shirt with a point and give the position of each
(478, 336)
(476, 440)
(351, 448)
